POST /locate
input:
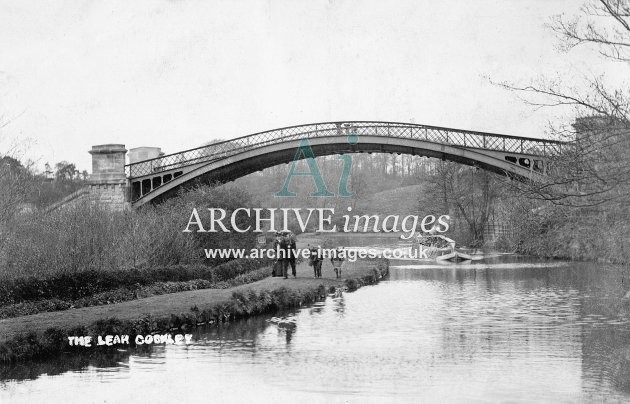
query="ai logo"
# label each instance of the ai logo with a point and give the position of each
(313, 171)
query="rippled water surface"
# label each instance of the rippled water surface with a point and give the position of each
(499, 331)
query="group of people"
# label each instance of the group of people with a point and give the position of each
(287, 254)
(316, 259)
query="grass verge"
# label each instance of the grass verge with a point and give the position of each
(46, 333)
(129, 293)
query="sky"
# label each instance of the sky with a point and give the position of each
(178, 74)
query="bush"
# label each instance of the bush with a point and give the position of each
(87, 283)
(352, 285)
(86, 237)
(28, 308)
(125, 294)
(580, 234)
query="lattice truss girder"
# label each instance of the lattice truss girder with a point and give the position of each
(452, 137)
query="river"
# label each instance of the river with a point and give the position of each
(510, 329)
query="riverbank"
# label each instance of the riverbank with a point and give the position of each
(45, 334)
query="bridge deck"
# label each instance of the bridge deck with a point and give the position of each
(446, 136)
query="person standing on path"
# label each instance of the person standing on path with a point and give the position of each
(281, 247)
(315, 260)
(291, 253)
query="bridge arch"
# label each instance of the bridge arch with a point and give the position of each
(157, 179)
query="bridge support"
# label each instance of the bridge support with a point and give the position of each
(108, 182)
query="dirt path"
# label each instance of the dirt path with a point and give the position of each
(172, 303)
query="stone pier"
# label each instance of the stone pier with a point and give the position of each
(108, 182)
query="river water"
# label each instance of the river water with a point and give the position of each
(505, 330)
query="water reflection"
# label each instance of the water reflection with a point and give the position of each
(59, 365)
(500, 331)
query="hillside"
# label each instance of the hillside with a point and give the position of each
(399, 201)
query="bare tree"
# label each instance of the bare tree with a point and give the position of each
(14, 181)
(466, 193)
(603, 24)
(595, 168)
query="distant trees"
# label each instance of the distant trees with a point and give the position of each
(66, 171)
(371, 173)
(20, 184)
(66, 180)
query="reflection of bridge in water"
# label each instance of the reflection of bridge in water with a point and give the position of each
(160, 177)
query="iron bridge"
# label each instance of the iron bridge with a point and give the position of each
(520, 157)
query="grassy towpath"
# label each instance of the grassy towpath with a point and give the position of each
(174, 303)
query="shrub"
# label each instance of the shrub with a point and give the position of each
(129, 293)
(86, 237)
(88, 283)
(352, 285)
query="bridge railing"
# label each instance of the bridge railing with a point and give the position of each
(452, 137)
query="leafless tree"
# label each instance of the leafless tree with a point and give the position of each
(595, 168)
(14, 181)
(468, 194)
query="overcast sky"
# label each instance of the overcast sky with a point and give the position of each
(177, 74)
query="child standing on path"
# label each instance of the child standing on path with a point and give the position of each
(337, 261)
(315, 260)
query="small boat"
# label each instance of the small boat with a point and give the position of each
(290, 322)
(458, 256)
(442, 249)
